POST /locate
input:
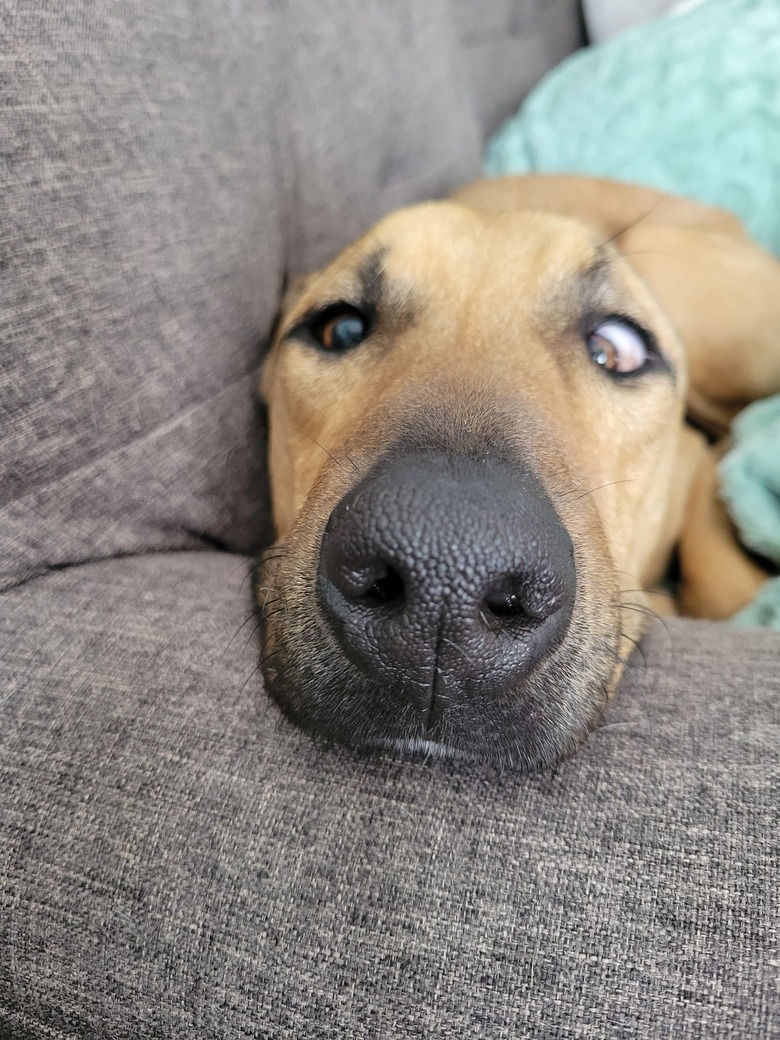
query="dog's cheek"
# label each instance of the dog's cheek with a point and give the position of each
(281, 475)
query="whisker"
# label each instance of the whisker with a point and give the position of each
(609, 483)
(630, 673)
(239, 566)
(267, 657)
(255, 566)
(259, 665)
(648, 612)
(460, 649)
(627, 668)
(242, 625)
(253, 633)
(247, 576)
(636, 644)
(632, 224)
(251, 675)
(329, 453)
(655, 592)
(268, 592)
(282, 673)
(639, 609)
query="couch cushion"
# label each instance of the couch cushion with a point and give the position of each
(165, 166)
(509, 45)
(176, 861)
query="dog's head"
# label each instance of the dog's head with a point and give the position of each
(476, 422)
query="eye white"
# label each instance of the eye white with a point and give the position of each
(624, 348)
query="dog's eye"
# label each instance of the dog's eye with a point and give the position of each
(340, 327)
(619, 347)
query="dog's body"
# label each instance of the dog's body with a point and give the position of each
(480, 460)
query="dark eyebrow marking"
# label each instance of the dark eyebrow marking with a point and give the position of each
(589, 296)
(368, 295)
(594, 279)
(385, 300)
(580, 292)
(371, 277)
(388, 304)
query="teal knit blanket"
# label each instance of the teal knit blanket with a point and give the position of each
(750, 487)
(688, 104)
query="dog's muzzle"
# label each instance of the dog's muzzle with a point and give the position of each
(446, 581)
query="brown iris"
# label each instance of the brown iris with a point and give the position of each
(340, 329)
(618, 347)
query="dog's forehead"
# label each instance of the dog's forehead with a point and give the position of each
(444, 258)
(446, 251)
(540, 267)
(449, 237)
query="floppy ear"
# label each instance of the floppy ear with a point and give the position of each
(716, 576)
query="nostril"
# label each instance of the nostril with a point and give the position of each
(503, 604)
(524, 599)
(387, 587)
(379, 585)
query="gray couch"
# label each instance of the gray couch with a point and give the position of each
(176, 860)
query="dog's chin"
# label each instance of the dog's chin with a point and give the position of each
(501, 758)
(531, 728)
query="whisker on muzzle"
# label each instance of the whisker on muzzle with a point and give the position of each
(330, 454)
(636, 644)
(655, 592)
(237, 632)
(590, 491)
(256, 565)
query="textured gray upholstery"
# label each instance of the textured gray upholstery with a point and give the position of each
(509, 45)
(175, 860)
(178, 862)
(166, 168)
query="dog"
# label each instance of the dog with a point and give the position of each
(493, 422)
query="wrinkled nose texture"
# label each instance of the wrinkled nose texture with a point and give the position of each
(445, 578)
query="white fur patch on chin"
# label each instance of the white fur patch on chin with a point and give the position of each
(418, 746)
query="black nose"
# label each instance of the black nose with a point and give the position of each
(444, 578)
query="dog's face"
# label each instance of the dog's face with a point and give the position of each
(474, 423)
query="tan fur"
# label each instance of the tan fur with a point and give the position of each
(488, 277)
